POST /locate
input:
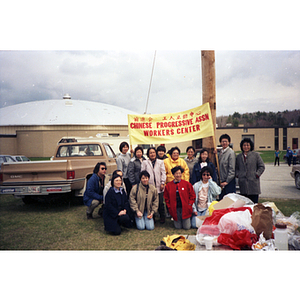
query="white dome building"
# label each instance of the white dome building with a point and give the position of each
(34, 128)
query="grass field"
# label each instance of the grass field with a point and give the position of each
(63, 226)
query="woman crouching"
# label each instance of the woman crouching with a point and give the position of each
(116, 210)
(206, 191)
(180, 197)
(144, 202)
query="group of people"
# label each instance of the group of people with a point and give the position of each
(141, 187)
(291, 156)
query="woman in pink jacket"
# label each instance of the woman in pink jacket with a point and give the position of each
(156, 168)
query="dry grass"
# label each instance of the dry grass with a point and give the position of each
(63, 226)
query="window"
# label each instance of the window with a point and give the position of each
(276, 142)
(79, 150)
(110, 153)
(284, 144)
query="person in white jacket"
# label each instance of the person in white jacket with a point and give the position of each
(156, 168)
(206, 191)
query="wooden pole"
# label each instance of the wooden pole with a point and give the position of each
(209, 95)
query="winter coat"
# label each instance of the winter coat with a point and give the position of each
(190, 164)
(196, 172)
(158, 172)
(114, 203)
(94, 190)
(227, 165)
(134, 169)
(187, 196)
(123, 162)
(170, 164)
(213, 191)
(137, 202)
(248, 172)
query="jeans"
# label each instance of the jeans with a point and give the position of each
(199, 213)
(144, 222)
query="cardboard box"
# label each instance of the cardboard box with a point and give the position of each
(224, 203)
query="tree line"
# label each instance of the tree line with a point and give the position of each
(261, 119)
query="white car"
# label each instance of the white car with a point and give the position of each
(20, 158)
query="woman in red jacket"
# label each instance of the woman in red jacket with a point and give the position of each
(180, 196)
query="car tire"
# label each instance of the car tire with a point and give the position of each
(297, 181)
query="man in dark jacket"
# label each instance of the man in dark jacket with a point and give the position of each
(93, 195)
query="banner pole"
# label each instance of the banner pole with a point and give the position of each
(216, 155)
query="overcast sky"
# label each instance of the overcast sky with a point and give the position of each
(246, 81)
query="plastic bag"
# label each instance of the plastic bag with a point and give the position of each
(236, 220)
(242, 239)
(210, 224)
(292, 222)
(211, 207)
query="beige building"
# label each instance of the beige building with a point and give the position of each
(34, 128)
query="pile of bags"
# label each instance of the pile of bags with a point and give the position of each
(245, 225)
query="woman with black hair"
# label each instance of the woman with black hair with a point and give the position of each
(190, 160)
(122, 164)
(249, 167)
(134, 167)
(116, 211)
(206, 191)
(203, 161)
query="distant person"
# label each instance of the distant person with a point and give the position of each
(203, 161)
(93, 195)
(294, 157)
(180, 197)
(277, 154)
(135, 164)
(190, 159)
(116, 211)
(289, 155)
(174, 160)
(161, 152)
(249, 168)
(122, 164)
(156, 168)
(206, 191)
(227, 167)
(144, 202)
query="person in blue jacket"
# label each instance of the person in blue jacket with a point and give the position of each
(203, 162)
(117, 211)
(93, 195)
(289, 155)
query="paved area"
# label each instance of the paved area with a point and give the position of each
(276, 182)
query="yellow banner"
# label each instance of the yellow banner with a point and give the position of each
(188, 125)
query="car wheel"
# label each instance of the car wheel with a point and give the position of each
(297, 181)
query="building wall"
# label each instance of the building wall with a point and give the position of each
(41, 141)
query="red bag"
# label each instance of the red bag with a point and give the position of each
(219, 213)
(242, 239)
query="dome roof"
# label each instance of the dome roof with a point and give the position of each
(63, 112)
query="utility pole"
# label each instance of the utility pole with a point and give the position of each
(209, 94)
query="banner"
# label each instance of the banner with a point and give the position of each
(183, 126)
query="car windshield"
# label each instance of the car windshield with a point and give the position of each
(9, 159)
(79, 150)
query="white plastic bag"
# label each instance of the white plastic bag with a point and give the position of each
(239, 200)
(236, 220)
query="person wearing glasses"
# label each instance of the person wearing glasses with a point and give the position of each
(206, 191)
(93, 195)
